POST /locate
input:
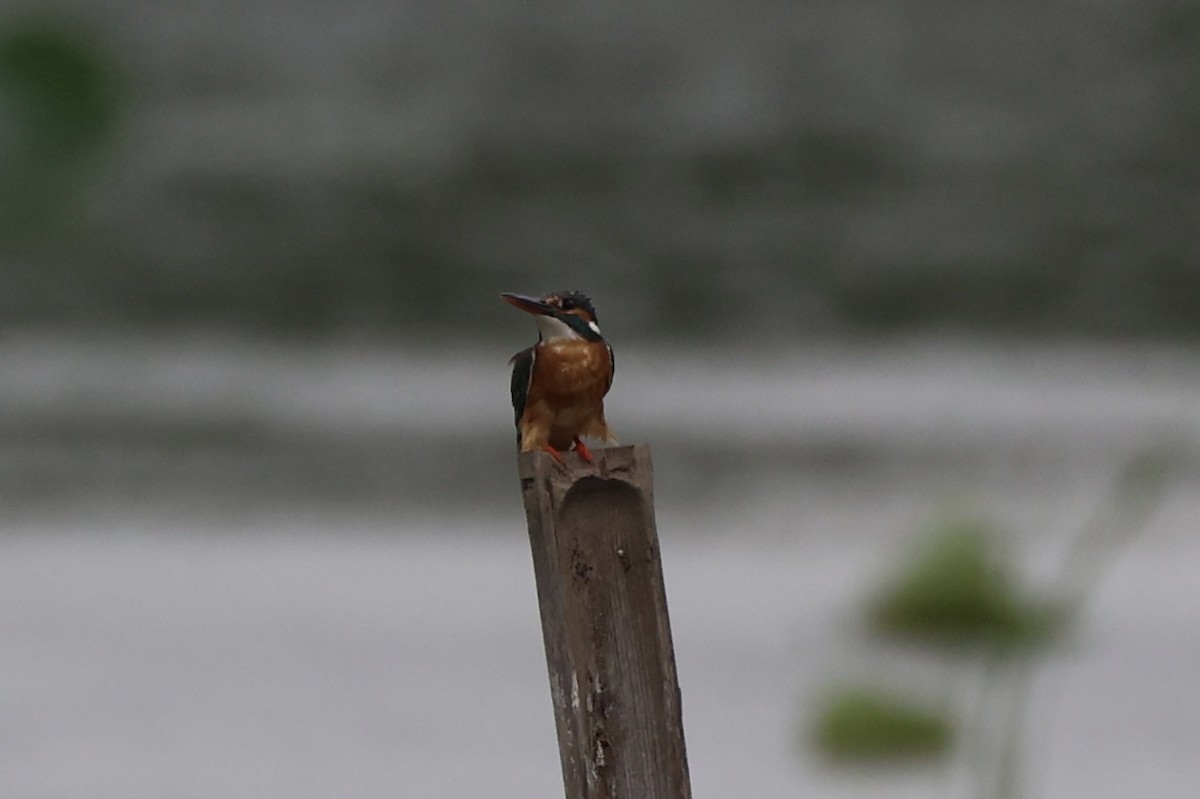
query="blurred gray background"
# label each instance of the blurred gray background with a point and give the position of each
(865, 265)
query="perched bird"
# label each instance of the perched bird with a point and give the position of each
(558, 384)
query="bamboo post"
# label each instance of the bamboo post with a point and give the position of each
(605, 625)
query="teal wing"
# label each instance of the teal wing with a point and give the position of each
(522, 376)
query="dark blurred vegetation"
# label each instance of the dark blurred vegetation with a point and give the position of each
(57, 106)
(706, 170)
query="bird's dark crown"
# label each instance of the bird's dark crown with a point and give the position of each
(572, 300)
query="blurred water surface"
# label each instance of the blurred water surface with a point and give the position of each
(252, 569)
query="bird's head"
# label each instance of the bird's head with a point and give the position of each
(561, 315)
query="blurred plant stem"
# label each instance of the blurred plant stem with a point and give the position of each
(1135, 495)
(1124, 512)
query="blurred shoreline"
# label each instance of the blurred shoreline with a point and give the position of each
(197, 422)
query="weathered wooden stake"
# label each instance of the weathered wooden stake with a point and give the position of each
(605, 624)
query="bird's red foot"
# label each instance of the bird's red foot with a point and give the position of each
(554, 453)
(583, 451)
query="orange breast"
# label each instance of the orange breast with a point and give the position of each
(570, 379)
(571, 372)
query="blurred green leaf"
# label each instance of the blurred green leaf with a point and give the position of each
(58, 102)
(60, 86)
(957, 591)
(860, 724)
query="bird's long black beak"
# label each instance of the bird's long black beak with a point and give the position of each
(529, 304)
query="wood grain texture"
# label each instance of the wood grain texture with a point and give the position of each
(605, 624)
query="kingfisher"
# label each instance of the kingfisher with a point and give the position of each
(558, 384)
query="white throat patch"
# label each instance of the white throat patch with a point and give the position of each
(552, 329)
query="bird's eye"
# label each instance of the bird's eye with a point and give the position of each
(567, 304)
